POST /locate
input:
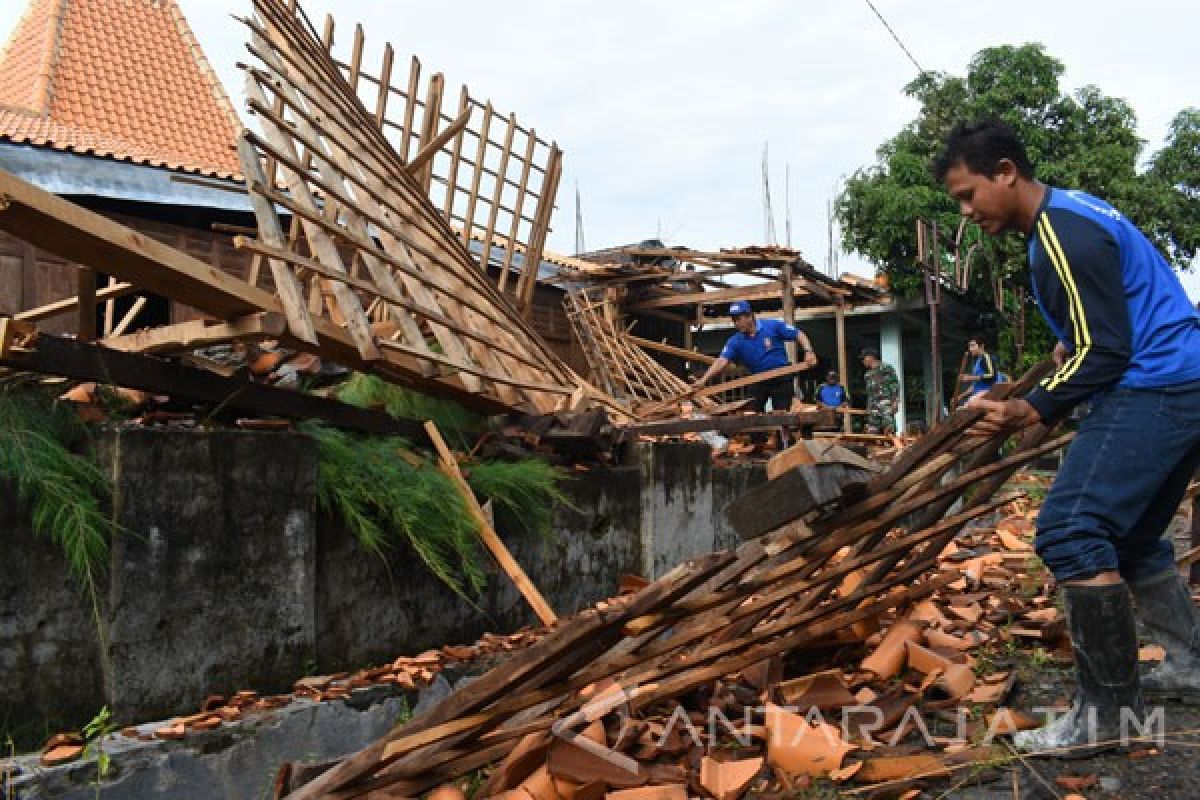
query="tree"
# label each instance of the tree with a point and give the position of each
(1084, 140)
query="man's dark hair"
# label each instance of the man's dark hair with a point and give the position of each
(981, 146)
(979, 340)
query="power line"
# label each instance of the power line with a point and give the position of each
(894, 36)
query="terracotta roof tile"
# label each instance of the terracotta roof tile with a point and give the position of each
(124, 79)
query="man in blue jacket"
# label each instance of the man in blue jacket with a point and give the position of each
(982, 376)
(1129, 342)
(758, 346)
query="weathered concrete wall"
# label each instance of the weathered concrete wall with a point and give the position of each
(211, 586)
(49, 649)
(370, 609)
(683, 499)
(224, 577)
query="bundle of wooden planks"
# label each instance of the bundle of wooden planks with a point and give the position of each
(796, 587)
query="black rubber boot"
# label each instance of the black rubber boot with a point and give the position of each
(1107, 704)
(1166, 611)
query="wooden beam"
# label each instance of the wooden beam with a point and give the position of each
(200, 333)
(768, 291)
(732, 424)
(85, 291)
(428, 151)
(669, 349)
(839, 322)
(449, 465)
(54, 355)
(749, 380)
(69, 304)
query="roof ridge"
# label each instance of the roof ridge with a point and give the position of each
(50, 35)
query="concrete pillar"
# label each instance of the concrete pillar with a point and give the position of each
(891, 349)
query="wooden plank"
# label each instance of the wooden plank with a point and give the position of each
(410, 107)
(739, 383)
(423, 172)
(381, 275)
(672, 350)
(291, 296)
(473, 194)
(497, 196)
(790, 496)
(425, 155)
(491, 540)
(798, 455)
(731, 424)
(85, 290)
(376, 190)
(54, 355)
(839, 321)
(539, 231)
(69, 304)
(127, 320)
(465, 109)
(199, 333)
(772, 290)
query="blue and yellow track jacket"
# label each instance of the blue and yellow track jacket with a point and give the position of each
(1111, 298)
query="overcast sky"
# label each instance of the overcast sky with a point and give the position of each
(662, 108)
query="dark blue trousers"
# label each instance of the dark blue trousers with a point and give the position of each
(1121, 482)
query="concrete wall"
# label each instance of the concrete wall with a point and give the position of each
(223, 576)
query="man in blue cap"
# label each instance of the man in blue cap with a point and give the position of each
(758, 346)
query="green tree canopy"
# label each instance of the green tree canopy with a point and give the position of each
(1085, 140)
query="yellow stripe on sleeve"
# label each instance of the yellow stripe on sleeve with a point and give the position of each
(1083, 337)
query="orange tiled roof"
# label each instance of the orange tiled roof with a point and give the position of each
(122, 79)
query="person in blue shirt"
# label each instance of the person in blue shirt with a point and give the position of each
(758, 346)
(831, 394)
(1129, 343)
(983, 369)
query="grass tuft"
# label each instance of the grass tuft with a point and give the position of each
(64, 491)
(385, 495)
(523, 493)
(382, 498)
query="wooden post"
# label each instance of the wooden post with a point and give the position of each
(789, 311)
(85, 283)
(493, 542)
(839, 320)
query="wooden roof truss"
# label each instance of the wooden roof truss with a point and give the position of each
(366, 247)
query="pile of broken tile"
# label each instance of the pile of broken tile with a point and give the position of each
(409, 673)
(877, 598)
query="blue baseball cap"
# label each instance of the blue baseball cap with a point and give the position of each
(740, 307)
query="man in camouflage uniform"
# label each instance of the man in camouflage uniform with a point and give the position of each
(883, 393)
